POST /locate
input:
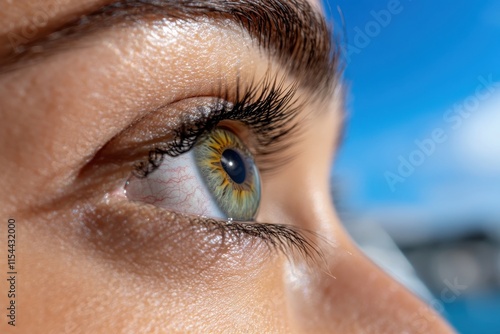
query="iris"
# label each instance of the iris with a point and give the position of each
(230, 173)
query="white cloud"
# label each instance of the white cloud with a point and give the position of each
(477, 142)
(456, 188)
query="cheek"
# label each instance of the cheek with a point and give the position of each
(77, 290)
(176, 185)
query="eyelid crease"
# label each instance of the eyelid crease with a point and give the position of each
(268, 109)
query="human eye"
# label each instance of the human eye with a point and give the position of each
(210, 165)
(207, 169)
(218, 178)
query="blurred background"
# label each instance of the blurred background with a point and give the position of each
(417, 180)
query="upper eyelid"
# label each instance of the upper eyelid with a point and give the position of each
(130, 145)
(268, 109)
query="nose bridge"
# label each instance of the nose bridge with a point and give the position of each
(342, 291)
(347, 293)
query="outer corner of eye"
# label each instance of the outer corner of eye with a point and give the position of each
(217, 178)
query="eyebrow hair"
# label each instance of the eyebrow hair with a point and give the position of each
(290, 31)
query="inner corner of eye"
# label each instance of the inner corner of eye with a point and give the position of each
(216, 178)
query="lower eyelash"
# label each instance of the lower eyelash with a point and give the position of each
(285, 239)
(136, 225)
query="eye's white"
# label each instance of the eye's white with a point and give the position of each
(175, 185)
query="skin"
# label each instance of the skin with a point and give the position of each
(91, 263)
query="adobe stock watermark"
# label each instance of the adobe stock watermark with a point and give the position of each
(425, 315)
(31, 26)
(364, 36)
(453, 119)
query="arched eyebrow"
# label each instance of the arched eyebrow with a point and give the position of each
(292, 32)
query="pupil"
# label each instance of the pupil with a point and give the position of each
(233, 165)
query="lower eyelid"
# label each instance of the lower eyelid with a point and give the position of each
(149, 241)
(153, 241)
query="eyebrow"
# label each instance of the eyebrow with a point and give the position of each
(291, 32)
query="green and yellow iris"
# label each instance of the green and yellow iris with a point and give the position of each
(230, 173)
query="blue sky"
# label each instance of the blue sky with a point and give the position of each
(424, 66)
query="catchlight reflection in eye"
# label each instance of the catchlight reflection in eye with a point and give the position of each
(218, 178)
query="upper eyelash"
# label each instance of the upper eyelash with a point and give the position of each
(267, 109)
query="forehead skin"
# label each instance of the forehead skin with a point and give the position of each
(91, 279)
